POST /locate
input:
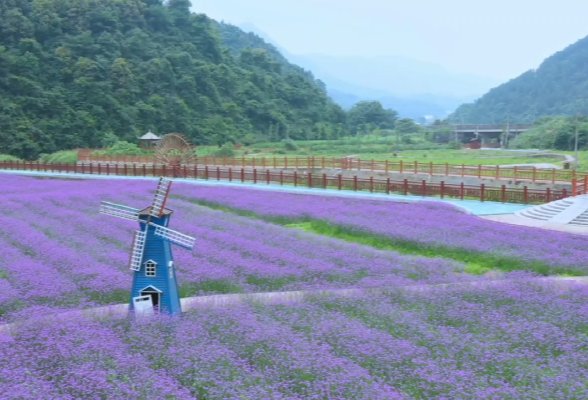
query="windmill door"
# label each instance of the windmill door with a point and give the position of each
(143, 305)
(155, 295)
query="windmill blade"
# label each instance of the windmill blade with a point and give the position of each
(160, 198)
(174, 237)
(137, 250)
(119, 211)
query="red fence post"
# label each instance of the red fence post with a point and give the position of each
(218, 173)
(461, 191)
(388, 186)
(125, 170)
(371, 184)
(324, 177)
(309, 180)
(99, 169)
(267, 176)
(424, 188)
(503, 193)
(281, 177)
(479, 171)
(296, 176)
(144, 169)
(340, 181)
(401, 165)
(442, 189)
(355, 182)
(107, 169)
(406, 187)
(254, 175)
(548, 192)
(585, 184)
(242, 175)
(564, 192)
(482, 187)
(526, 195)
(230, 174)
(534, 174)
(574, 188)
(275, 163)
(206, 172)
(163, 170)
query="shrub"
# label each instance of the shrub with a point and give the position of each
(6, 157)
(289, 144)
(64, 156)
(123, 148)
(227, 150)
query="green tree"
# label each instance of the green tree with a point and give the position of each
(370, 112)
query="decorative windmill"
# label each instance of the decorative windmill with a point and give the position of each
(155, 288)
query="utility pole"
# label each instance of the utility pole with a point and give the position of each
(506, 139)
(576, 145)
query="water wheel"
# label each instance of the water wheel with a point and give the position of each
(174, 149)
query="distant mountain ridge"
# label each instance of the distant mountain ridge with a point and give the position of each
(558, 87)
(399, 83)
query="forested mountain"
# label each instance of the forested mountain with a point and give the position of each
(84, 73)
(558, 87)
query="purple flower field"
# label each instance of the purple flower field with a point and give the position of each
(524, 340)
(427, 223)
(60, 252)
(517, 338)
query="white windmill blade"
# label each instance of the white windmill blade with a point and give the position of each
(137, 250)
(119, 211)
(160, 198)
(174, 237)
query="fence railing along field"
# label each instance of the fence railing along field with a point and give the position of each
(414, 167)
(480, 192)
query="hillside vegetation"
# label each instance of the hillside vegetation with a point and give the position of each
(558, 87)
(86, 73)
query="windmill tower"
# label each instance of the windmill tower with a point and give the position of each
(155, 288)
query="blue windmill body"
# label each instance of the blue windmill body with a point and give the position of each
(155, 288)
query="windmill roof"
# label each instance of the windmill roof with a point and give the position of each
(145, 211)
(149, 136)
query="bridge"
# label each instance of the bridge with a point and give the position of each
(489, 135)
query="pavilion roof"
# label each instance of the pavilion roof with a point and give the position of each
(150, 136)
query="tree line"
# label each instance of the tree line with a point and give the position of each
(89, 73)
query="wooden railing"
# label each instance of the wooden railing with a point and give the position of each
(413, 167)
(480, 192)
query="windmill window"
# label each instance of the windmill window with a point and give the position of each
(150, 268)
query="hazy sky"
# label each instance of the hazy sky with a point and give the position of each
(497, 38)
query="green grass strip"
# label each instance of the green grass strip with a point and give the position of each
(477, 262)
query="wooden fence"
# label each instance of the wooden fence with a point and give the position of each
(480, 192)
(414, 167)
